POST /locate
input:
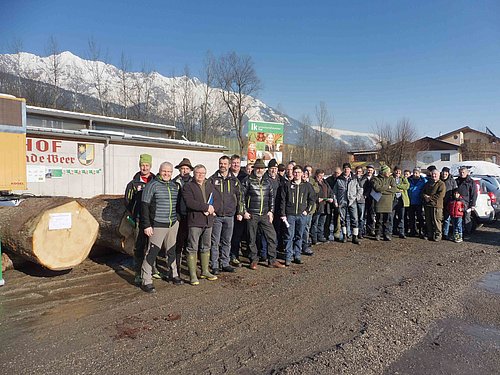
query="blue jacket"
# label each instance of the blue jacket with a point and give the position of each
(415, 190)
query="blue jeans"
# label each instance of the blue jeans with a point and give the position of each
(307, 230)
(446, 222)
(318, 227)
(361, 217)
(293, 238)
(457, 226)
(222, 231)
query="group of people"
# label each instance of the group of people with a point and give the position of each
(263, 210)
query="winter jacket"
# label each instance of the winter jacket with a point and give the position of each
(467, 190)
(230, 192)
(346, 191)
(362, 181)
(456, 207)
(159, 204)
(324, 192)
(182, 203)
(133, 194)
(367, 186)
(198, 198)
(403, 187)
(258, 195)
(436, 190)
(296, 198)
(450, 184)
(415, 190)
(387, 187)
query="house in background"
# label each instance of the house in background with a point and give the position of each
(429, 151)
(475, 144)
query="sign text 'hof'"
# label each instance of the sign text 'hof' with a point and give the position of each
(57, 152)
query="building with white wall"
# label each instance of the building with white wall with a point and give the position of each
(82, 155)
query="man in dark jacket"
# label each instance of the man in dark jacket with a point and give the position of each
(451, 185)
(159, 209)
(202, 201)
(239, 227)
(369, 202)
(468, 192)
(133, 196)
(334, 217)
(416, 217)
(297, 201)
(276, 181)
(259, 207)
(185, 168)
(323, 207)
(346, 192)
(361, 201)
(231, 205)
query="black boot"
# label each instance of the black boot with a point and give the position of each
(355, 240)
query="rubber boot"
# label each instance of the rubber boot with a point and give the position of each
(355, 239)
(137, 270)
(205, 261)
(192, 259)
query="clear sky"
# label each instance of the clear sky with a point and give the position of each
(434, 62)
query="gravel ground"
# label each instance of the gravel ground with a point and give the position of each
(370, 309)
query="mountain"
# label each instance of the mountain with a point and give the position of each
(100, 82)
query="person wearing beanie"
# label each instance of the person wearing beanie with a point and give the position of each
(281, 169)
(276, 181)
(259, 214)
(185, 168)
(450, 184)
(384, 189)
(133, 195)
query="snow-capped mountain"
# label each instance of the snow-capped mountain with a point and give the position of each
(106, 82)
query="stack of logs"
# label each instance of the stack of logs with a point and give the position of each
(31, 231)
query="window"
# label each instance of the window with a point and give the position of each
(445, 157)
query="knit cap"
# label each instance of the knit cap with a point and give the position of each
(145, 159)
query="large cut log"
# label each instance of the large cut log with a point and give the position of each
(115, 231)
(56, 233)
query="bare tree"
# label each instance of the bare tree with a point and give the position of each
(53, 71)
(188, 111)
(141, 96)
(236, 77)
(323, 118)
(124, 84)
(394, 142)
(17, 47)
(97, 68)
(209, 115)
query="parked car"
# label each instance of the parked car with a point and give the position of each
(492, 186)
(484, 212)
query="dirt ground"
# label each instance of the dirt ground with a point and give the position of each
(405, 307)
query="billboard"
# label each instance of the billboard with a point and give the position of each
(265, 141)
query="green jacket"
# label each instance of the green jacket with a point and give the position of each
(387, 187)
(403, 187)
